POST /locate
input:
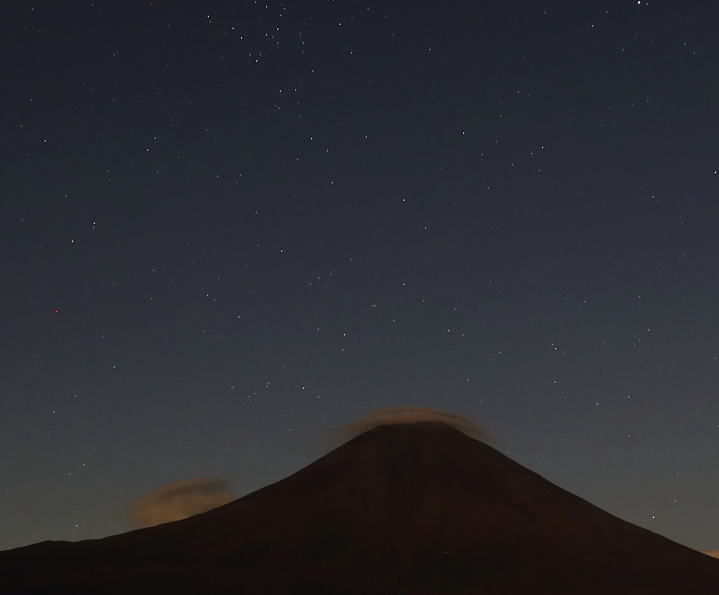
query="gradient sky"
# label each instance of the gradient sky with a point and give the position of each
(229, 227)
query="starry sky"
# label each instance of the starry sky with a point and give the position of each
(230, 227)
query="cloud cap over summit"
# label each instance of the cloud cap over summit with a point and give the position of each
(409, 415)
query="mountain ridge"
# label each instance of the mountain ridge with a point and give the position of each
(402, 508)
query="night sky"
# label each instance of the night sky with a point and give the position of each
(230, 227)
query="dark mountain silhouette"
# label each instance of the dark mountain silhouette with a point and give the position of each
(410, 508)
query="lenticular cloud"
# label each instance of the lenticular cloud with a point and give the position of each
(408, 415)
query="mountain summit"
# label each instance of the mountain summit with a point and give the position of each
(414, 508)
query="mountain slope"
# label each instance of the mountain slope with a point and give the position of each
(409, 508)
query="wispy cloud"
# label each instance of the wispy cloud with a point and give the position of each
(178, 500)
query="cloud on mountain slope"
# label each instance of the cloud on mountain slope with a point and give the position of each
(179, 500)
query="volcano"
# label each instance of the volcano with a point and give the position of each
(416, 508)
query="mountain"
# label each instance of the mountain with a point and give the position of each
(416, 508)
